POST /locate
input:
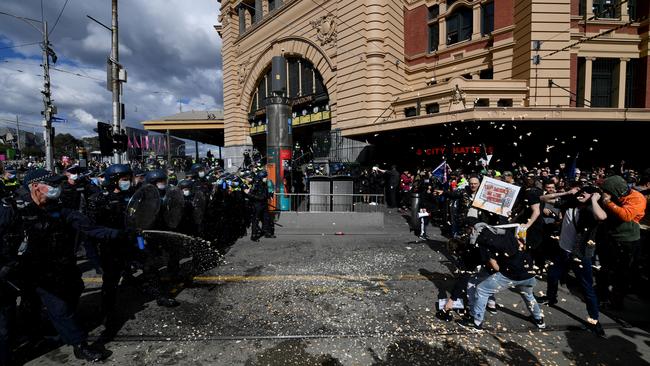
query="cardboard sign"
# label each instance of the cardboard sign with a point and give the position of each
(496, 196)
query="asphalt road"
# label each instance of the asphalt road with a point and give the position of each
(366, 297)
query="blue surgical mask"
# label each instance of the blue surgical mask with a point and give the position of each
(124, 185)
(201, 174)
(53, 192)
(161, 186)
(12, 176)
(74, 176)
(187, 192)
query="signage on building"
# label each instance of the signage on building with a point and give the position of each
(455, 150)
(302, 100)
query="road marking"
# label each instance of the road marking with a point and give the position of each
(380, 278)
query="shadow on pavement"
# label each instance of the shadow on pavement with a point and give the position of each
(615, 350)
(291, 353)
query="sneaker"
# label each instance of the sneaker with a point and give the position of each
(597, 329)
(539, 323)
(469, 324)
(545, 300)
(84, 352)
(491, 309)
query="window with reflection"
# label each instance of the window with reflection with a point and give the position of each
(459, 25)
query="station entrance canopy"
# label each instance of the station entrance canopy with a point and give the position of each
(203, 126)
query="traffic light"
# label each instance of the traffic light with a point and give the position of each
(105, 133)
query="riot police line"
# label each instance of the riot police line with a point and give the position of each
(134, 227)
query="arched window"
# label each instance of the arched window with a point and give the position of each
(459, 25)
(305, 89)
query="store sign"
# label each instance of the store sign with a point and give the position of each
(302, 100)
(496, 196)
(455, 150)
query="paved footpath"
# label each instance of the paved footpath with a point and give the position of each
(311, 297)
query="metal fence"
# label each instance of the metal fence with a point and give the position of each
(325, 202)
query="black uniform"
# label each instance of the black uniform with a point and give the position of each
(9, 242)
(109, 209)
(48, 262)
(258, 197)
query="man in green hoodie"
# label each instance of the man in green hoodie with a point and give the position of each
(625, 208)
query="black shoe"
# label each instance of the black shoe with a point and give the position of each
(545, 300)
(539, 323)
(492, 309)
(468, 323)
(444, 315)
(167, 302)
(597, 329)
(84, 352)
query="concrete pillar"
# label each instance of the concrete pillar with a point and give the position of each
(476, 21)
(588, 71)
(589, 8)
(625, 15)
(622, 77)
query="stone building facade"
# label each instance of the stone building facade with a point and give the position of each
(364, 67)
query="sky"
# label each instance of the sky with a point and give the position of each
(169, 48)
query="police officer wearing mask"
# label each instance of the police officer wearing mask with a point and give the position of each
(9, 243)
(108, 208)
(47, 257)
(9, 180)
(138, 178)
(258, 196)
(198, 174)
(153, 283)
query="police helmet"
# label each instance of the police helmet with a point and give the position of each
(155, 176)
(196, 167)
(262, 174)
(185, 184)
(115, 171)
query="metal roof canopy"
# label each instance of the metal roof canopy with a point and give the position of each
(203, 126)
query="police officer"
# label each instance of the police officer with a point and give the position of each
(198, 175)
(9, 180)
(108, 208)
(8, 264)
(258, 196)
(47, 258)
(153, 282)
(138, 178)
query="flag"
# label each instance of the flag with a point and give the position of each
(128, 142)
(441, 172)
(135, 141)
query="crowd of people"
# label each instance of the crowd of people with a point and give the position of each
(106, 215)
(592, 223)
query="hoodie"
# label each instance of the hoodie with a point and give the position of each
(627, 208)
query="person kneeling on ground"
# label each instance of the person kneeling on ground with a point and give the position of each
(515, 270)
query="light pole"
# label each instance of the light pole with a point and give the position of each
(48, 108)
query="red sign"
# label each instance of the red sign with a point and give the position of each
(456, 150)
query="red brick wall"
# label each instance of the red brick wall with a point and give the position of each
(416, 30)
(573, 76)
(504, 13)
(575, 7)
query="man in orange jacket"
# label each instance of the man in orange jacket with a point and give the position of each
(625, 209)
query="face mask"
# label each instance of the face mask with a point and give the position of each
(74, 176)
(124, 185)
(12, 176)
(161, 186)
(186, 192)
(201, 174)
(53, 192)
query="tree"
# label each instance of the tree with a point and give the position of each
(66, 144)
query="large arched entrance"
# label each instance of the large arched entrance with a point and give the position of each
(310, 104)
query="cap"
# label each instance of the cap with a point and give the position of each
(42, 175)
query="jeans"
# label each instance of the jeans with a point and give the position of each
(62, 316)
(497, 282)
(584, 275)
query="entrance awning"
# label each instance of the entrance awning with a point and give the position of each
(203, 126)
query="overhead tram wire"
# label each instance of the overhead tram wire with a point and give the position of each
(20, 45)
(58, 17)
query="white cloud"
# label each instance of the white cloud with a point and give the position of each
(165, 45)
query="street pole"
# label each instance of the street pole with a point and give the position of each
(115, 58)
(47, 103)
(18, 133)
(169, 150)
